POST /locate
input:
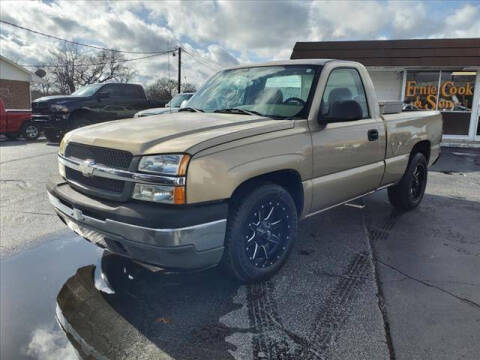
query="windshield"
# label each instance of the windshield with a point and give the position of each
(275, 91)
(178, 99)
(88, 90)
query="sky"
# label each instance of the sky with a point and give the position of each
(222, 33)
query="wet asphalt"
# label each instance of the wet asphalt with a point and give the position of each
(363, 282)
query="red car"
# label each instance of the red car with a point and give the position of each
(16, 122)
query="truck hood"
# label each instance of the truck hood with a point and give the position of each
(58, 99)
(176, 132)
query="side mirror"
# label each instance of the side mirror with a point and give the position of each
(346, 110)
(183, 104)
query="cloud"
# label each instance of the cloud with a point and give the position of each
(223, 32)
(50, 345)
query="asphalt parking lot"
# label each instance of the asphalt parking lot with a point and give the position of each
(363, 282)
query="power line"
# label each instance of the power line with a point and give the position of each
(104, 63)
(75, 42)
(203, 61)
(179, 44)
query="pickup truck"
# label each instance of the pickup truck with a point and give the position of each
(225, 180)
(91, 104)
(15, 122)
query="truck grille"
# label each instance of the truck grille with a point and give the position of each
(40, 108)
(109, 157)
(95, 182)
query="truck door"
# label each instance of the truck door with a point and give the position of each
(348, 154)
(134, 99)
(108, 103)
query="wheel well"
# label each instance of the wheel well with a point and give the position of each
(421, 147)
(290, 180)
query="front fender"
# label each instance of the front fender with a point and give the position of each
(216, 175)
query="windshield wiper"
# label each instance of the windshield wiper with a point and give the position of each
(191, 109)
(239, 111)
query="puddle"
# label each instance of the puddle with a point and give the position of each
(29, 284)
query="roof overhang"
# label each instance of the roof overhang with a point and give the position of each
(457, 53)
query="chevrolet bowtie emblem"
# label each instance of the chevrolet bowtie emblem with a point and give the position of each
(86, 167)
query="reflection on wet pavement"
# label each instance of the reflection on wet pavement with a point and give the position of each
(28, 286)
(118, 309)
(160, 314)
(322, 304)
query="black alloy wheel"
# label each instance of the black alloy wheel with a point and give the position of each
(261, 231)
(418, 181)
(408, 193)
(267, 232)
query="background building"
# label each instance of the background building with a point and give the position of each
(439, 74)
(15, 84)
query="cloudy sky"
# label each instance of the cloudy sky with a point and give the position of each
(222, 33)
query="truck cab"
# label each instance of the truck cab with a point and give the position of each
(226, 180)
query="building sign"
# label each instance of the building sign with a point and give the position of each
(445, 91)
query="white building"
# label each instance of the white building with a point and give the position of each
(15, 84)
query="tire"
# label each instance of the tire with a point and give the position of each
(408, 193)
(261, 231)
(12, 136)
(53, 135)
(30, 131)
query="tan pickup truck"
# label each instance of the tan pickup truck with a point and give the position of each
(226, 180)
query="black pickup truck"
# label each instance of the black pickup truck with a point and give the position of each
(94, 103)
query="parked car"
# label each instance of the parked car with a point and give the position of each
(172, 106)
(226, 179)
(15, 122)
(91, 104)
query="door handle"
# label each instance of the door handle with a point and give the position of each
(372, 135)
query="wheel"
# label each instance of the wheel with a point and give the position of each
(53, 135)
(261, 231)
(408, 193)
(11, 136)
(30, 131)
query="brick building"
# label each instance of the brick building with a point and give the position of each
(15, 84)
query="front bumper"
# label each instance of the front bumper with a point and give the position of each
(51, 121)
(122, 229)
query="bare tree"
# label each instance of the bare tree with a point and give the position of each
(188, 87)
(70, 68)
(165, 89)
(162, 89)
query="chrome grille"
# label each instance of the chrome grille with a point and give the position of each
(109, 157)
(95, 182)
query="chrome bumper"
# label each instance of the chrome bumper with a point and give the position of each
(187, 247)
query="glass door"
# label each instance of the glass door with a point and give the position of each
(456, 95)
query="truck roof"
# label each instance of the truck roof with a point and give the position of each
(291, 62)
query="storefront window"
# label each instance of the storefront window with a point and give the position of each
(421, 90)
(451, 92)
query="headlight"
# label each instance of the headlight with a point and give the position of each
(160, 193)
(58, 108)
(172, 164)
(63, 146)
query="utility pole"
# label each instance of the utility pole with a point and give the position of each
(179, 69)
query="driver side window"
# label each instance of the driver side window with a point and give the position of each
(343, 85)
